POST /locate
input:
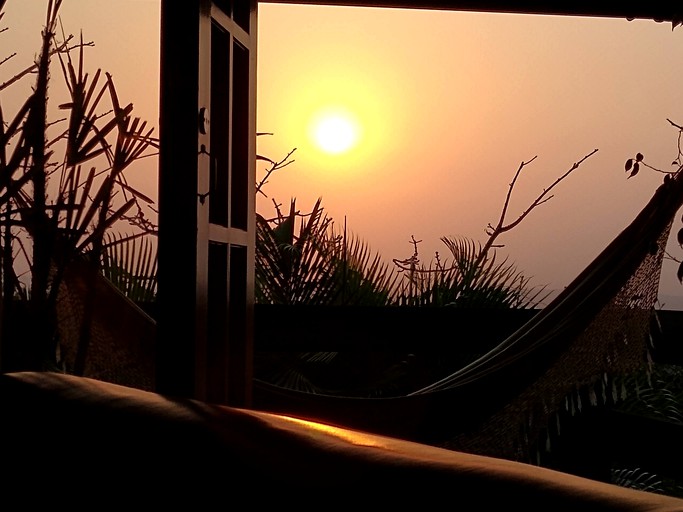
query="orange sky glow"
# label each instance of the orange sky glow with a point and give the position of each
(446, 105)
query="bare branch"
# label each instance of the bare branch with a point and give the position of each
(511, 187)
(414, 271)
(275, 166)
(495, 231)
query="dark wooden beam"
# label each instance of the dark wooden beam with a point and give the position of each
(177, 298)
(661, 11)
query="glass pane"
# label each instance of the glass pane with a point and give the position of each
(239, 192)
(219, 119)
(217, 323)
(238, 354)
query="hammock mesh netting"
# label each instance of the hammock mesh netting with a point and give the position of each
(612, 346)
(120, 336)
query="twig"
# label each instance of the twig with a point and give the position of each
(275, 166)
(674, 124)
(669, 256)
(8, 57)
(277, 208)
(59, 49)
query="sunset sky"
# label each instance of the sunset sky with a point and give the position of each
(433, 113)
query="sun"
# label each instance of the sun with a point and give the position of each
(335, 131)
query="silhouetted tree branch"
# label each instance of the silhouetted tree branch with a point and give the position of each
(275, 166)
(495, 231)
(501, 227)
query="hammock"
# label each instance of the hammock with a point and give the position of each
(501, 404)
(592, 333)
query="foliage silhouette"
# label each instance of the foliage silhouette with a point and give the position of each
(57, 209)
(305, 267)
(316, 265)
(633, 165)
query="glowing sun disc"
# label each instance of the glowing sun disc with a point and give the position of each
(335, 133)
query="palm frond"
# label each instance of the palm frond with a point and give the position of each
(655, 391)
(468, 280)
(130, 263)
(637, 478)
(315, 264)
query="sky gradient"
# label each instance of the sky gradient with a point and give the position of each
(448, 105)
(452, 103)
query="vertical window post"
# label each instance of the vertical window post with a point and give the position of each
(207, 199)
